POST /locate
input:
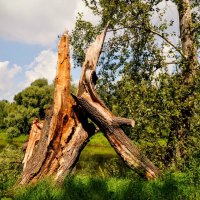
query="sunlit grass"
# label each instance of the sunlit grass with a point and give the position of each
(99, 140)
(171, 186)
(100, 175)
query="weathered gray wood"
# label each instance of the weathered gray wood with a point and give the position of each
(115, 135)
(108, 123)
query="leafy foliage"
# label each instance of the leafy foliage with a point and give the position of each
(3, 113)
(135, 80)
(37, 96)
(30, 103)
(10, 168)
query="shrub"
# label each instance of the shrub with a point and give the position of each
(13, 132)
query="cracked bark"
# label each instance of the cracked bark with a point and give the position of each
(55, 148)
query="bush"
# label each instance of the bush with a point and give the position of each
(10, 168)
(13, 132)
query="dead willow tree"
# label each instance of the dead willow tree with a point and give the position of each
(55, 145)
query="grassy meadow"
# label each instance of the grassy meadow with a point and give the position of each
(99, 174)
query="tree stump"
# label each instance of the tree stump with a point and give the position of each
(55, 145)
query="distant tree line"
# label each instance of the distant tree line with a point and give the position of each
(31, 103)
(16, 117)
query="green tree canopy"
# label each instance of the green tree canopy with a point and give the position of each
(29, 104)
(3, 112)
(135, 80)
(38, 96)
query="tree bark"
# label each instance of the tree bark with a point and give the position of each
(55, 145)
(108, 123)
(188, 44)
(177, 150)
(54, 148)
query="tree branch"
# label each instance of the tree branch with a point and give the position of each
(156, 33)
(123, 121)
(168, 41)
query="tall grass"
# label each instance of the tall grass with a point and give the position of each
(10, 167)
(170, 186)
(99, 175)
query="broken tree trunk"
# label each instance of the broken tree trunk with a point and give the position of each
(53, 148)
(55, 145)
(108, 123)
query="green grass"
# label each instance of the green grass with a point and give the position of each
(99, 158)
(98, 150)
(10, 160)
(100, 175)
(99, 140)
(171, 186)
(10, 167)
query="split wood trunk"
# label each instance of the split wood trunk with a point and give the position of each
(55, 145)
(54, 148)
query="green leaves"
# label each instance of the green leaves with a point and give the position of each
(13, 132)
(82, 36)
(29, 104)
(135, 80)
(37, 96)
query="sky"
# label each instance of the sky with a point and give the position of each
(28, 40)
(29, 37)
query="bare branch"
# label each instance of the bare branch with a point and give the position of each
(168, 41)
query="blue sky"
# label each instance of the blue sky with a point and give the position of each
(28, 39)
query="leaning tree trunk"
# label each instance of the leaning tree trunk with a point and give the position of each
(55, 145)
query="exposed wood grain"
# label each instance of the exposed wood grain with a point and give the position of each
(55, 148)
(55, 145)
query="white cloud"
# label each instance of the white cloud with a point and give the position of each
(14, 79)
(43, 66)
(36, 21)
(7, 76)
(87, 13)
